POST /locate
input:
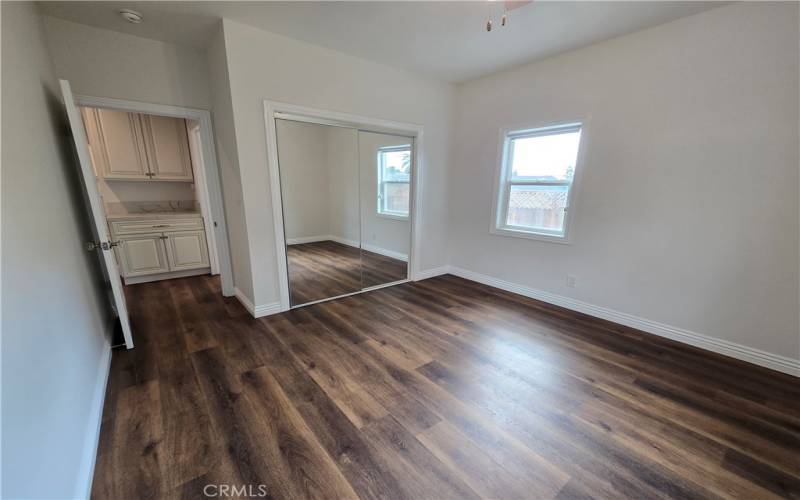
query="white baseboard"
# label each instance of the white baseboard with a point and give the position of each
(385, 252)
(133, 280)
(267, 309)
(306, 239)
(322, 237)
(244, 300)
(430, 273)
(727, 348)
(86, 472)
(351, 243)
(259, 310)
(343, 241)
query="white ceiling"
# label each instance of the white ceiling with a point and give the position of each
(444, 40)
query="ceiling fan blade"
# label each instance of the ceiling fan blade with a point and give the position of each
(516, 4)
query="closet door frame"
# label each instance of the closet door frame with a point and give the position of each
(275, 109)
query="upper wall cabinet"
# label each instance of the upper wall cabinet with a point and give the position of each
(134, 146)
(167, 148)
(116, 144)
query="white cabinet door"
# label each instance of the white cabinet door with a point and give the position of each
(187, 250)
(118, 147)
(167, 148)
(143, 254)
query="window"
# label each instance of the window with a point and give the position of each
(536, 175)
(394, 176)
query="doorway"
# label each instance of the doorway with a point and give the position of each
(154, 191)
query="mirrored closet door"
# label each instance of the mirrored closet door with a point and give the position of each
(346, 203)
(385, 168)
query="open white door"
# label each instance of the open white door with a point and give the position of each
(103, 244)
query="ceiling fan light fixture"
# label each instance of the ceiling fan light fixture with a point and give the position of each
(131, 16)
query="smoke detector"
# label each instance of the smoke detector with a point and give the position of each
(131, 16)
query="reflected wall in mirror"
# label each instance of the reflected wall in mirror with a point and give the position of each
(386, 169)
(319, 175)
(346, 199)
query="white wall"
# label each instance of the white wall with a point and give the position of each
(342, 160)
(264, 65)
(328, 176)
(103, 63)
(228, 162)
(379, 234)
(302, 155)
(319, 171)
(688, 211)
(55, 350)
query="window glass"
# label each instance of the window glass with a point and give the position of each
(536, 185)
(545, 157)
(394, 176)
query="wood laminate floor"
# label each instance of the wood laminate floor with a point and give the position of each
(436, 389)
(326, 269)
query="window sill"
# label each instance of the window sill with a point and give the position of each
(529, 235)
(392, 217)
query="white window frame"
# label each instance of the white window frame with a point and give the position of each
(380, 212)
(502, 182)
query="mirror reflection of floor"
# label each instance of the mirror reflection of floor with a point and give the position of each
(326, 269)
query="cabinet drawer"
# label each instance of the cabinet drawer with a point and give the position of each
(119, 228)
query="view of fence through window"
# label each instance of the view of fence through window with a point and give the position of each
(542, 166)
(394, 176)
(537, 207)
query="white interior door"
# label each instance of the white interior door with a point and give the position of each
(97, 211)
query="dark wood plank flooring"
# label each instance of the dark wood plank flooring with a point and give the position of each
(437, 389)
(326, 269)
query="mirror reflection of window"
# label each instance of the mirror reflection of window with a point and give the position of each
(387, 166)
(394, 176)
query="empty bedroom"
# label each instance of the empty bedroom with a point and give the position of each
(400, 249)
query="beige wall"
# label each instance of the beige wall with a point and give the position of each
(55, 313)
(688, 210)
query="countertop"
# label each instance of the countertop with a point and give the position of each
(152, 210)
(155, 215)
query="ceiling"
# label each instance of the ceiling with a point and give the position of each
(443, 40)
